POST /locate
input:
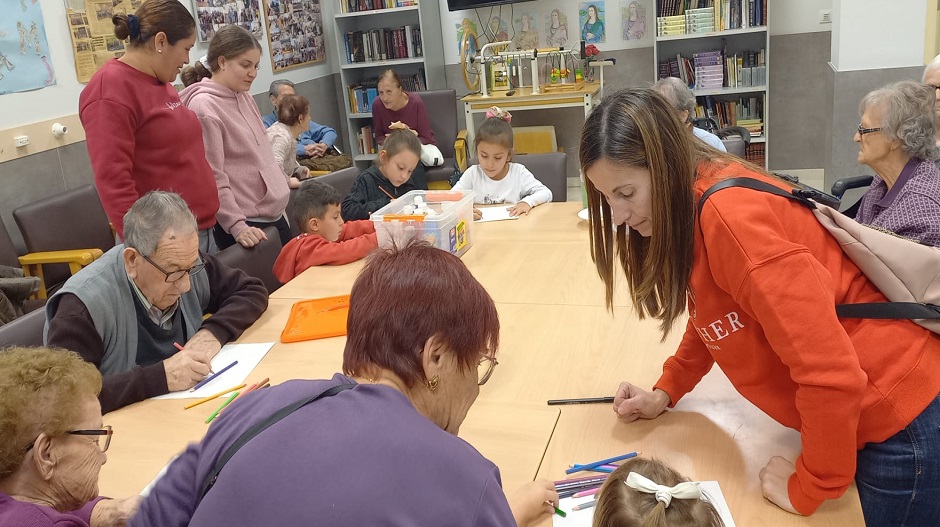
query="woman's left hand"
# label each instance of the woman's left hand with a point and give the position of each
(519, 209)
(533, 501)
(773, 482)
(114, 513)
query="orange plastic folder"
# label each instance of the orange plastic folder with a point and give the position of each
(319, 318)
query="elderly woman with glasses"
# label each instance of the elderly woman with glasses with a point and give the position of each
(380, 446)
(137, 312)
(53, 442)
(897, 140)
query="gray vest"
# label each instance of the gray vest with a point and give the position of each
(106, 291)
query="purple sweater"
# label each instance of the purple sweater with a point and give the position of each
(362, 457)
(25, 514)
(413, 114)
(911, 208)
(249, 179)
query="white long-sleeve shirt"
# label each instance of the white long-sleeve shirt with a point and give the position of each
(518, 185)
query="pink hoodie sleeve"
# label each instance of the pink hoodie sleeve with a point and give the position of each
(229, 216)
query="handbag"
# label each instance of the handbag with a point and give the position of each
(431, 156)
(256, 429)
(906, 272)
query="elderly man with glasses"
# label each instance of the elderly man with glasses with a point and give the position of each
(137, 312)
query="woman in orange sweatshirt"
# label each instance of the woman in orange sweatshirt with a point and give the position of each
(761, 279)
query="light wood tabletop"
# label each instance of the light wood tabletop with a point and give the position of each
(558, 340)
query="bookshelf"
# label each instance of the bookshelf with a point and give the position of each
(721, 48)
(373, 35)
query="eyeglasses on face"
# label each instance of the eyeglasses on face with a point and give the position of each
(863, 131)
(176, 276)
(105, 431)
(485, 369)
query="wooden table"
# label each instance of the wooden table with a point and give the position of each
(585, 97)
(558, 340)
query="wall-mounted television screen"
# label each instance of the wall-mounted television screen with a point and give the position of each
(457, 5)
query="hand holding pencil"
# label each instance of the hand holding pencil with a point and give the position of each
(185, 368)
(533, 501)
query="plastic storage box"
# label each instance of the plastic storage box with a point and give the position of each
(447, 226)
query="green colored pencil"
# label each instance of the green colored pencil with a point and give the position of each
(226, 403)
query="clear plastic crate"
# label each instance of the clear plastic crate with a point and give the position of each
(448, 226)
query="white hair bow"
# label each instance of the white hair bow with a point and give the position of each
(684, 491)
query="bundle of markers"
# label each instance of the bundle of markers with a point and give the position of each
(235, 394)
(587, 485)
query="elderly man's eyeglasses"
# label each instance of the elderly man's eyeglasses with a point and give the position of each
(485, 369)
(175, 276)
(102, 444)
(863, 131)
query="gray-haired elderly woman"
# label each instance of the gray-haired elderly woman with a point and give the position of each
(896, 137)
(53, 442)
(682, 100)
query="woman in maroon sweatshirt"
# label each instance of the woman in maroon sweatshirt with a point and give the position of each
(140, 136)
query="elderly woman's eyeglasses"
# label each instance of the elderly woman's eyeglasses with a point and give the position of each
(176, 276)
(103, 444)
(485, 369)
(863, 131)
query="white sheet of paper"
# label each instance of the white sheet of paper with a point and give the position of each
(585, 517)
(247, 355)
(495, 214)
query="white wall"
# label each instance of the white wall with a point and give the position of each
(797, 16)
(875, 34)
(62, 99)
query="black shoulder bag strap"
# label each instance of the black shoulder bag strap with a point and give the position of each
(879, 310)
(249, 434)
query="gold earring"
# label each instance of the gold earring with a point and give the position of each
(434, 383)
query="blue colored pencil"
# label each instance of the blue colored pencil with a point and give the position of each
(607, 470)
(208, 379)
(596, 464)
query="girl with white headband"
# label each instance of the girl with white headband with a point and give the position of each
(648, 493)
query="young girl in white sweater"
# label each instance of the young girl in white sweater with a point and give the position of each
(494, 179)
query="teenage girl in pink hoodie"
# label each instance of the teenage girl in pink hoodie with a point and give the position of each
(253, 192)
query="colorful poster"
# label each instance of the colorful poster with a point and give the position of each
(467, 29)
(556, 29)
(526, 29)
(633, 15)
(92, 32)
(24, 64)
(591, 18)
(213, 14)
(295, 33)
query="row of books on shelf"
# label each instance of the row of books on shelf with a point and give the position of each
(383, 44)
(717, 69)
(746, 112)
(362, 94)
(680, 17)
(354, 6)
(755, 154)
(366, 140)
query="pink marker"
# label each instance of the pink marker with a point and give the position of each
(589, 492)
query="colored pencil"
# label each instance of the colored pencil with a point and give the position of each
(581, 485)
(209, 379)
(559, 511)
(582, 506)
(579, 480)
(588, 492)
(587, 400)
(177, 346)
(386, 193)
(601, 462)
(226, 403)
(211, 397)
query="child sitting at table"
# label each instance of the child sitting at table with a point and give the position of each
(649, 493)
(293, 118)
(386, 180)
(325, 239)
(494, 179)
